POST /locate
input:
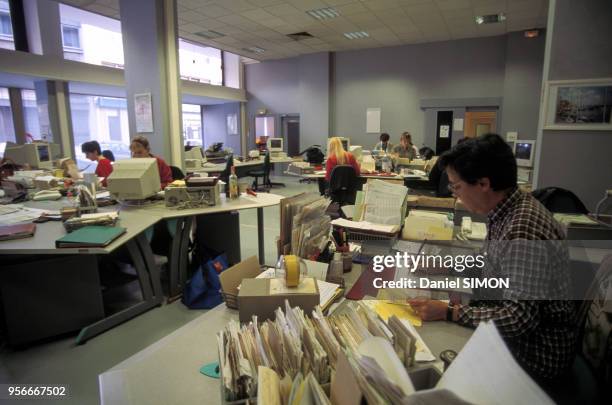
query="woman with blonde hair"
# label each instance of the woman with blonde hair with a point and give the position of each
(336, 155)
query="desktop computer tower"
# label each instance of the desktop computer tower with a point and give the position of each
(221, 233)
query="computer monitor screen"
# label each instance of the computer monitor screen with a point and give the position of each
(43, 153)
(346, 143)
(275, 144)
(134, 179)
(524, 152)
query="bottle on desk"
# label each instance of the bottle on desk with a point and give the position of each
(233, 184)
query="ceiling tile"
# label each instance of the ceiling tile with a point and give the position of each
(257, 14)
(307, 4)
(380, 4)
(191, 16)
(339, 2)
(351, 8)
(101, 9)
(210, 23)
(459, 13)
(453, 4)
(265, 3)
(485, 7)
(213, 11)
(282, 10)
(237, 6)
(424, 8)
(273, 22)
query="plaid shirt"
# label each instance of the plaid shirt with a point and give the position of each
(524, 243)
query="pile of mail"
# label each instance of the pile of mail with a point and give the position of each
(304, 226)
(355, 356)
(294, 346)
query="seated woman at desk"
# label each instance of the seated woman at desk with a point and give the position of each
(93, 152)
(338, 156)
(405, 149)
(384, 145)
(140, 148)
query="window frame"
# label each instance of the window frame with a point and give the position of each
(68, 48)
(11, 36)
(178, 45)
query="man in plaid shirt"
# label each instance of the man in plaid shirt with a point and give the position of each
(524, 243)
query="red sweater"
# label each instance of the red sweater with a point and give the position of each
(104, 169)
(333, 162)
(165, 173)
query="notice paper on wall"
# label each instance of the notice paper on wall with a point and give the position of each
(444, 131)
(373, 120)
(458, 124)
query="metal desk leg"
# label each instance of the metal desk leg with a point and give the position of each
(142, 258)
(260, 236)
(179, 257)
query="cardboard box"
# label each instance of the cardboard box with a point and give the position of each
(255, 298)
(231, 278)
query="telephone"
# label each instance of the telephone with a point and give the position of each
(472, 230)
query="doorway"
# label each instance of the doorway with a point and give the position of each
(290, 125)
(444, 131)
(479, 123)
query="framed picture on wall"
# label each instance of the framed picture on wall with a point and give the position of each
(578, 104)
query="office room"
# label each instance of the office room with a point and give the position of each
(305, 201)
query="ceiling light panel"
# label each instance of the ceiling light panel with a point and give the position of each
(326, 13)
(356, 35)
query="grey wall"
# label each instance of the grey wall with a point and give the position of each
(397, 78)
(214, 121)
(580, 49)
(291, 86)
(522, 84)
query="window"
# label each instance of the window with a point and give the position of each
(30, 114)
(6, 26)
(70, 36)
(104, 119)
(91, 38)
(192, 124)
(200, 63)
(7, 129)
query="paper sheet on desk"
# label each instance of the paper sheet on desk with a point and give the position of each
(385, 309)
(24, 214)
(365, 225)
(485, 372)
(383, 203)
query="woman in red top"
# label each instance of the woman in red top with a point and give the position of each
(93, 152)
(140, 148)
(336, 155)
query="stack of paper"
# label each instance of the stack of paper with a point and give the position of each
(365, 226)
(385, 203)
(304, 226)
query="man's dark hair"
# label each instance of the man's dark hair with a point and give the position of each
(384, 137)
(486, 156)
(91, 146)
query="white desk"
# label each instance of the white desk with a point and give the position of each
(219, 167)
(178, 260)
(167, 372)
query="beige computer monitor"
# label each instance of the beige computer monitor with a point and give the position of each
(38, 154)
(134, 179)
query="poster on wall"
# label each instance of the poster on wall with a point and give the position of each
(144, 112)
(232, 124)
(373, 120)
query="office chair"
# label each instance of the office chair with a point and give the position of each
(426, 153)
(177, 173)
(557, 199)
(591, 372)
(264, 174)
(108, 154)
(343, 185)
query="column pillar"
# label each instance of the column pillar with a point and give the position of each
(43, 27)
(150, 45)
(55, 120)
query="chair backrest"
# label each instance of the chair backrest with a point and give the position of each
(177, 173)
(267, 165)
(426, 153)
(107, 153)
(224, 176)
(343, 184)
(557, 199)
(594, 322)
